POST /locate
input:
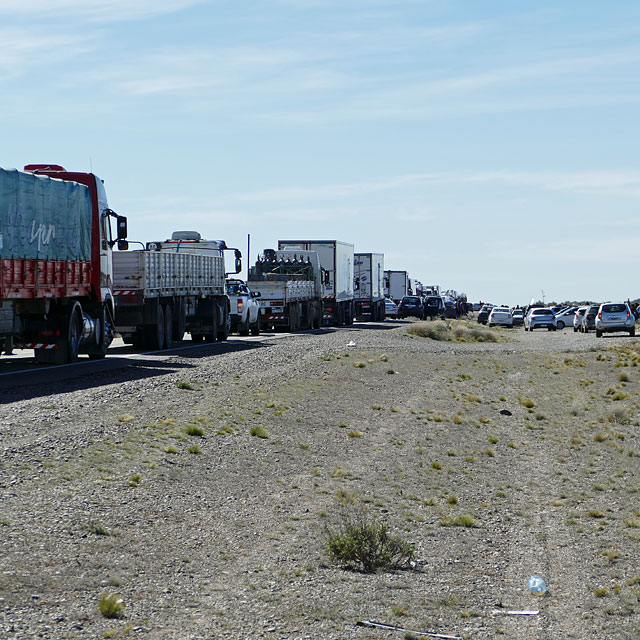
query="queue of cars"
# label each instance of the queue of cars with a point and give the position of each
(425, 307)
(607, 317)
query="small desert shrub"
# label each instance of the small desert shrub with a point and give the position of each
(355, 434)
(171, 449)
(620, 415)
(359, 365)
(458, 521)
(135, 480)
(436, 465)
(611, 554)
(111, 606)
(194, 430)
(368, 546)
(621, 395)
(526, 402)
(259, 432)
(98, 529)
(601, 592)
(184, 385)
(195, 449)
(125, 417)
(446, 331)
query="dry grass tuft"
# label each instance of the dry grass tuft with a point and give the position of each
(459, 331)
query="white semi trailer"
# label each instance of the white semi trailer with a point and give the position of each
(369, 286)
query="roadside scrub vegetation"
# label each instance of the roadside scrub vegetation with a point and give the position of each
(364, 544)
(454, 331)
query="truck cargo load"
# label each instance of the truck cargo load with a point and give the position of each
(43, 218)
(336, 261)
(290, 287)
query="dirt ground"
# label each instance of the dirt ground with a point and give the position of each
(202, 491)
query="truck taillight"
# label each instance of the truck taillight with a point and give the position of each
(600, 315)
(240, 303)
(50, 333)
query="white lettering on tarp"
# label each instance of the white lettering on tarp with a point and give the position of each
(28, 237)
(42, 234)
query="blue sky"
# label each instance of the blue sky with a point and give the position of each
(487, 146)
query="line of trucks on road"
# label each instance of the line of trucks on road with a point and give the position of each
(64, 290)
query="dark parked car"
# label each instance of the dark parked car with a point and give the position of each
(433, 307)
(483, 314)
(411, 306)
(450, 308)
(589, 318)
(518, 317)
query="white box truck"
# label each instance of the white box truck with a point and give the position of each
(368, 286)
(396, 285)
(336, 261)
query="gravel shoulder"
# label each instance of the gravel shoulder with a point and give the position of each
(532, 442)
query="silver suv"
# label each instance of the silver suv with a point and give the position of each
(615, 316)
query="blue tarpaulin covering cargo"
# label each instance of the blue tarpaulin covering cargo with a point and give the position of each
(43, 218)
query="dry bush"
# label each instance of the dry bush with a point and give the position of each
(365, 545)
(458, 331)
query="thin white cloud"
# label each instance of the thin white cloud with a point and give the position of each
(95, 10)
(621, 183)
(22, 49)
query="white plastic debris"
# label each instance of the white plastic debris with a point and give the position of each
(502, 612)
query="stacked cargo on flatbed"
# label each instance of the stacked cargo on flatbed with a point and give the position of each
(336, 262)
(290, 287)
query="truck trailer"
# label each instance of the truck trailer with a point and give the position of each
(369, 286)
(56, 263)
(396, 285)
(336, 262)
(289, 284)
(173, 287)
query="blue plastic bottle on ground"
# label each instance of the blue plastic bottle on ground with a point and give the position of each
(537, 585)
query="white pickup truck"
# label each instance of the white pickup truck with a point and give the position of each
(244, 308)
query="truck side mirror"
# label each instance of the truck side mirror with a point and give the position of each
(256, 294)
(122, 227)
(238, 264)
(123, 245)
